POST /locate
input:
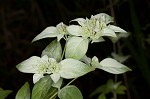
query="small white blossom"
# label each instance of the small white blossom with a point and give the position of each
(59, 31)
(94, 28)
(67, 68)
(40, 66)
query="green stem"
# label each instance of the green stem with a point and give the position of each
(64, 86)
(64, 51)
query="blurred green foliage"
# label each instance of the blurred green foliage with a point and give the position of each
(22, 20)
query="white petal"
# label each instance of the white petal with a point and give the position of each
(86, 60)
(74, 30)
(100, 39)
(108, 32)
(59, 37)
(48, 32)
(58, 83)
(55, 77)
(29, 65)
(81, 21)
(104, 16)
(45, 57)
(37, 77)
(116, 29)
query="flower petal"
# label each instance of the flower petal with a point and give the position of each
(105, 17)
(55, 77)
(95, 62)
(108, 32)
(81, 21)
(37, 77)
(58, 83)
(116, 29)
(29, 65)
(74, 30)
(48, 32)
(100, 39)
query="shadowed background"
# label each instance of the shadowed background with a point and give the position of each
(22, 20)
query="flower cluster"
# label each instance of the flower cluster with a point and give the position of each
(75, 62)
(93, 29)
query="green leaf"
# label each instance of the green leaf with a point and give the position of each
(24, 92)
(120, 89)
(4, 93)
(53, 50)
(58, 84)
(48, 32)
(70, 92)
(41, 88)
(102, 96)
(98, 90)
(120, 58)
(51, 92)
(76, 48)
(112, 66)
(72, 68)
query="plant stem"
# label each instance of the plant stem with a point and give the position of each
(64, 86)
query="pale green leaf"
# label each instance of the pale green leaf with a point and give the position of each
(108, 32)
(53, 50)
(116, 29)
(74, 30)
(76, 48)
(72, 68)
(4, 93)
(48, 32)
(70, 92)
(29, 65)
(112, 66)
(41, 88)
(24, 92)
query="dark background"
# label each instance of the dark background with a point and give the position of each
(22, 20)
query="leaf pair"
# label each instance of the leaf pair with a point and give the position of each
(44, 90)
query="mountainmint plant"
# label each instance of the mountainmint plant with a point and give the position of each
(56, 64)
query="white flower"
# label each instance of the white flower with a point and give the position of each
(94, 28)
(67, 68)
(59, 31)
(40, 66)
